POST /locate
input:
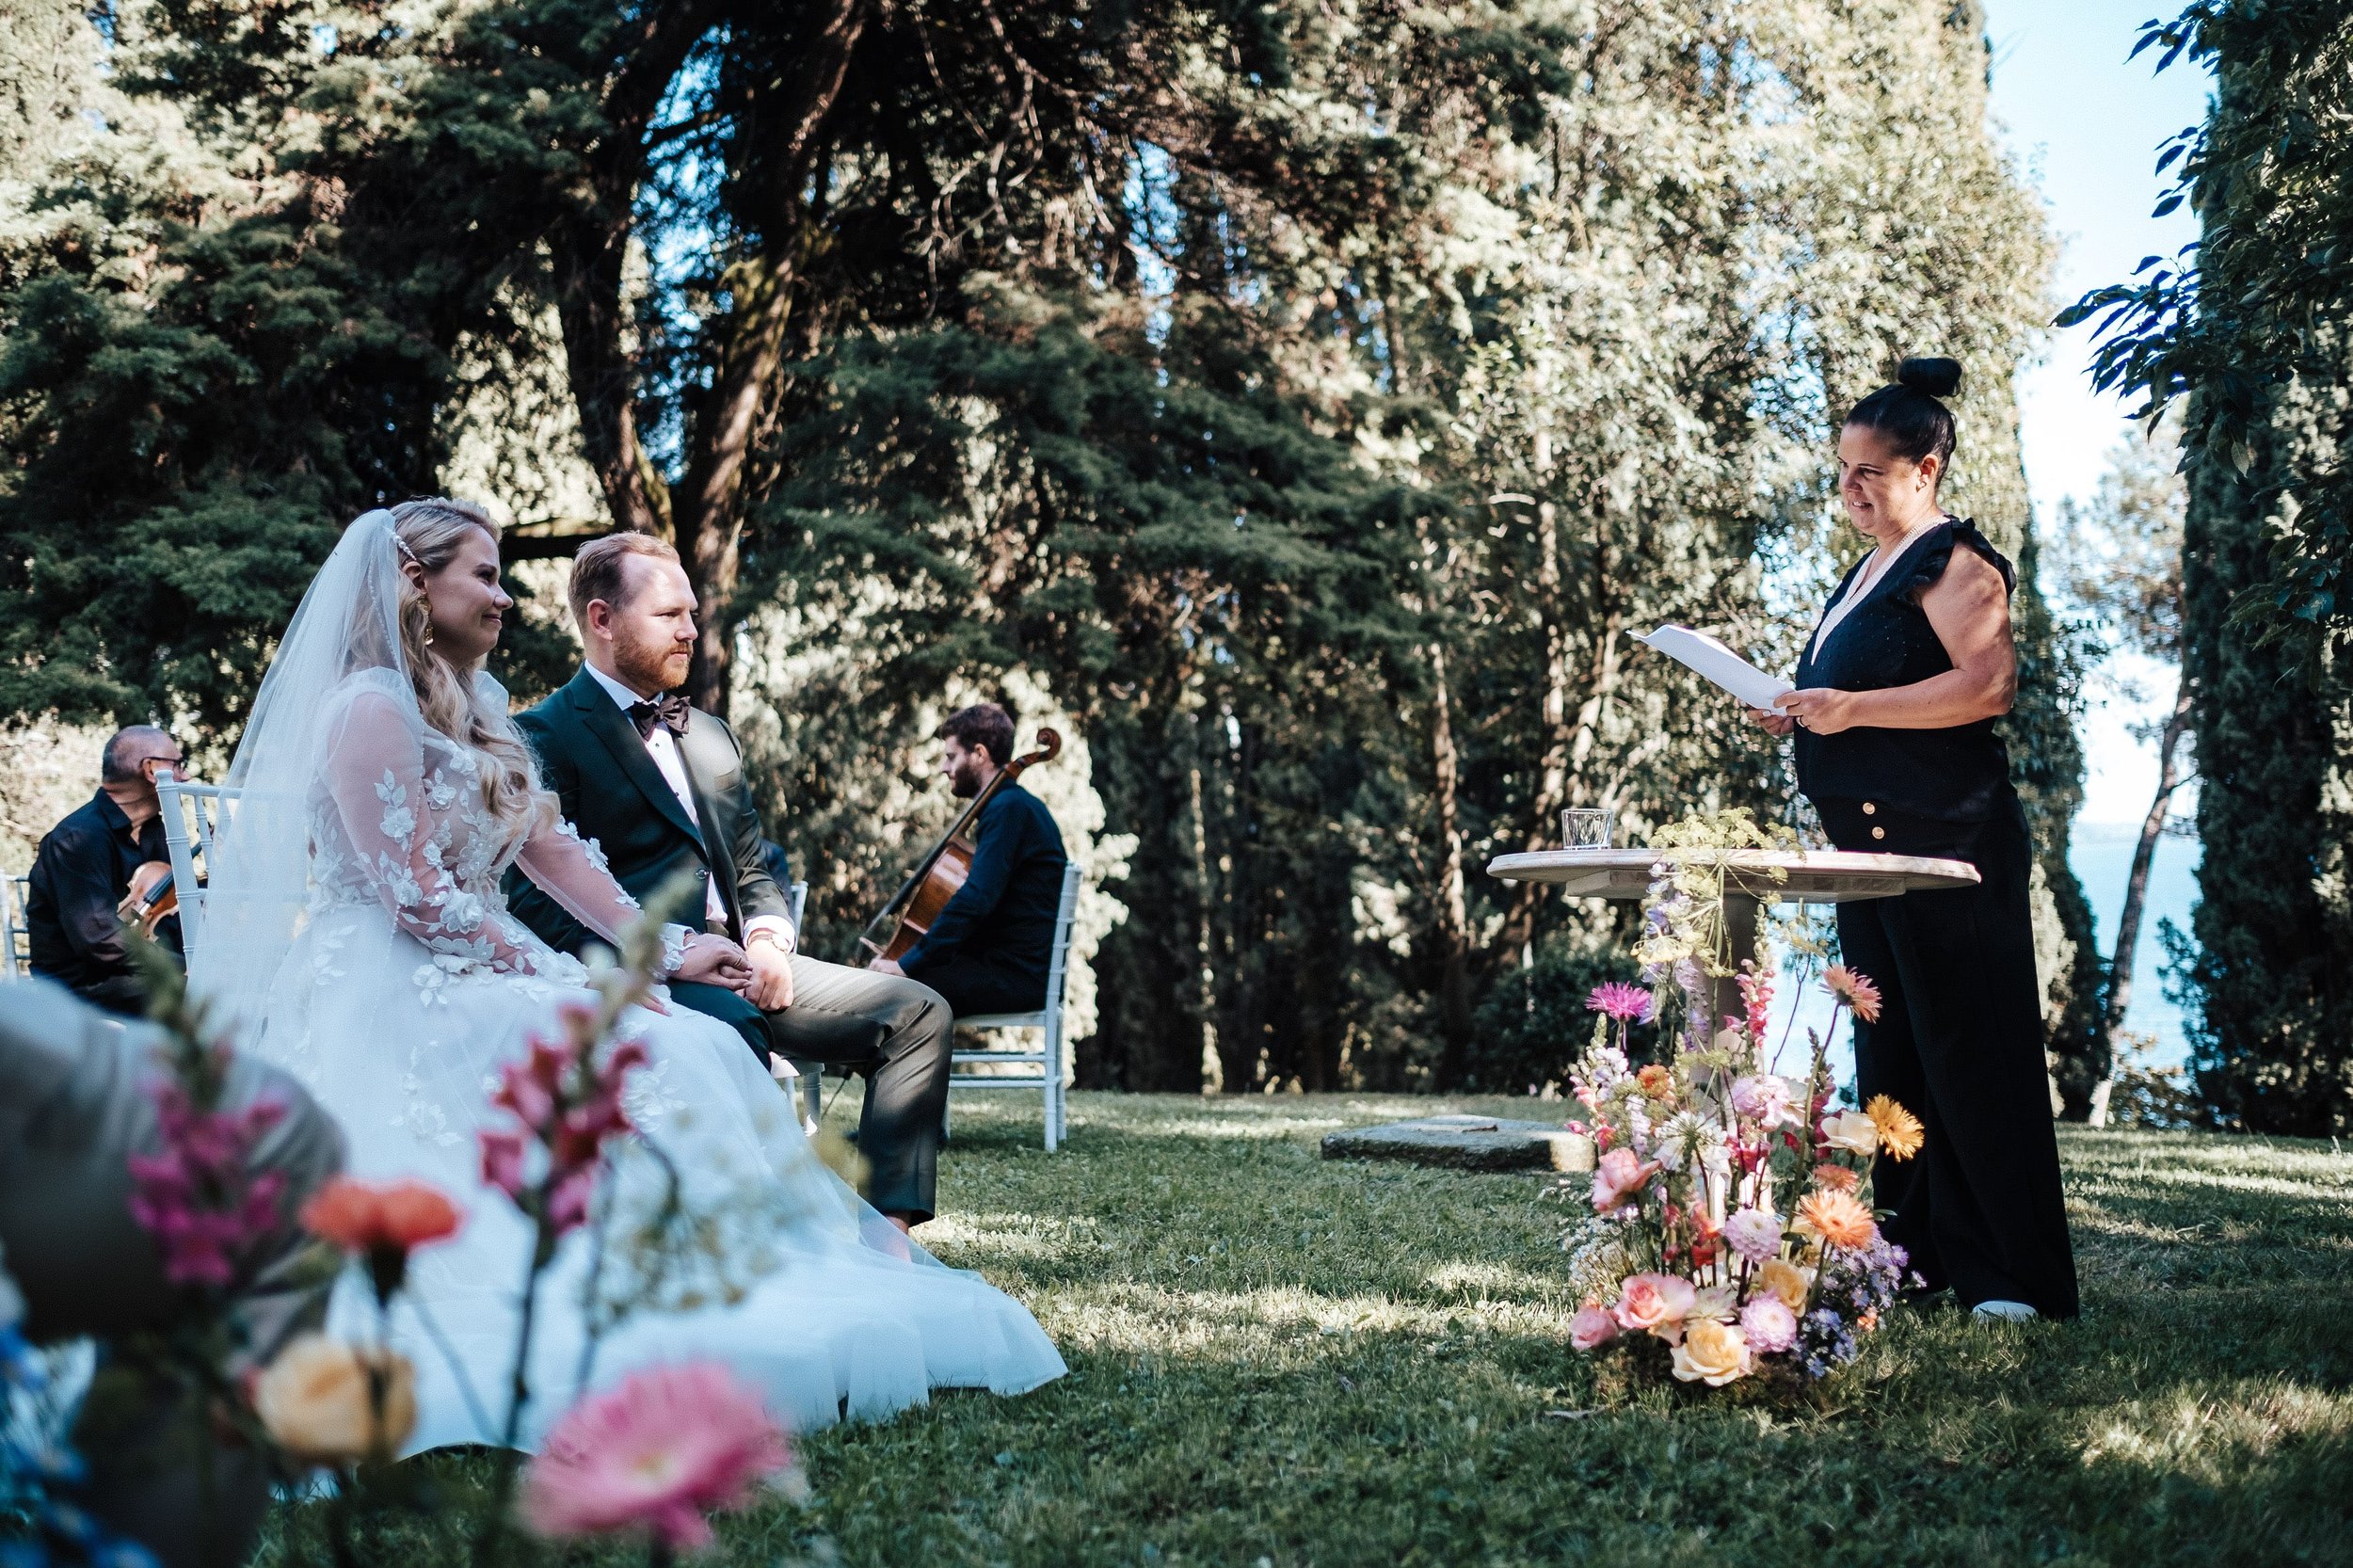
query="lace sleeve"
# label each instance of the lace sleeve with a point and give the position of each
(376, 774)
(572, 871)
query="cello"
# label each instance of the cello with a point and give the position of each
(938, 876)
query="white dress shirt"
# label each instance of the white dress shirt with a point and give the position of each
(662, 747)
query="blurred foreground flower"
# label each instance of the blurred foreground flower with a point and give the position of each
(380, 1223)
(320, 1400)
(204, 1207)
(653, 1455)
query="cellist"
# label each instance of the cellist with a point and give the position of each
(988, 951)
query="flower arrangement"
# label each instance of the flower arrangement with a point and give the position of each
(647, 1460)
(1728, 1232)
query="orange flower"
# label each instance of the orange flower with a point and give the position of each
(1656, 1081)
(1855, 989)
(1837, 1179)
(1900, 1132)
(1838, 1219)
(380, 1223)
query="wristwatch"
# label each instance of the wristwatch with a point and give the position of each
(768, 934)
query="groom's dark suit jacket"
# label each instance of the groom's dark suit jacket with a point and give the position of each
(590, 755)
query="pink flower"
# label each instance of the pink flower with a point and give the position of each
(1763, 1099)
(1629, 1004)
(1855, 989)
(204, 1208)
(1618, 1175)
(1591, 1326)
(1655, 1303)
(1769, 1323)
(1755, 1234)
(503, 1162)
(653, 1455)
(1756, 994)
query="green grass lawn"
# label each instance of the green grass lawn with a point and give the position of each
(1278, 1359)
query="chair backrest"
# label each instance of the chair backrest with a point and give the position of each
(15, 897)
(192, 813)
(1065, 916)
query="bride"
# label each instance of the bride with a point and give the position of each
(355, 934)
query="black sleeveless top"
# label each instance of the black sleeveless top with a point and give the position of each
(1957, 775)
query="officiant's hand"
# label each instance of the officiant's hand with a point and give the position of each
(770, 989)
(1774, 723)
(1820, 711)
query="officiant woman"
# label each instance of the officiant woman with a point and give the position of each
(1898, 696)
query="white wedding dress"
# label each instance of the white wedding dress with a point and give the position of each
(400, 987)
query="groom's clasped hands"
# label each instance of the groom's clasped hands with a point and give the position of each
(762, 976)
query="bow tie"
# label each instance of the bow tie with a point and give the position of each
(670, 708)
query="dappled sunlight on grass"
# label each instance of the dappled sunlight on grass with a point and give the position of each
(1278, 1357)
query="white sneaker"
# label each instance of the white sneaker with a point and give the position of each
(2008, 1312)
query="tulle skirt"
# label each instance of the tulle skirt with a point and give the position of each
(775, 1269)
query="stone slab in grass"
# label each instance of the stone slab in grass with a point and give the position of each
(1467, 1143)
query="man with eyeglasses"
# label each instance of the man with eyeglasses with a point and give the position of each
(86, 867)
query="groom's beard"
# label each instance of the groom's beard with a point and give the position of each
(651, 665)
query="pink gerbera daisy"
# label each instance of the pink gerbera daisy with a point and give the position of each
(653, 1454)
(1629, 1004)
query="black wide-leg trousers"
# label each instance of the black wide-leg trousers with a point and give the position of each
(1960, 1042)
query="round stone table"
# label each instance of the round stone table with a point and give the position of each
(1808, 876)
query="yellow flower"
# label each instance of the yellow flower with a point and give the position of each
(1711, 1352)
(1900, 1132)
(1783, 1279)
(314, 1400)
(1838, 1219)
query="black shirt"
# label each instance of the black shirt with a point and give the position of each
(1005, 913)
(1960, 774)
(80, 874)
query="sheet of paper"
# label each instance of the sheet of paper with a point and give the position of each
(1713, 660)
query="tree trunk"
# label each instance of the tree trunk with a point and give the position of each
(1454, 1012)
(2120, 995)
(705, 513)
(710, 505)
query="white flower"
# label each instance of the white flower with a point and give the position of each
(462, 911)
(1719, 1302)
(1852, 1131)
(1690, 1139)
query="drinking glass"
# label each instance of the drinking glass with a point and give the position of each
(1588, 827)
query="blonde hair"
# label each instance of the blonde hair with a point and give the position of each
(428, 532)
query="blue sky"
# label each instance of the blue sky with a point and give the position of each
(2088, 124)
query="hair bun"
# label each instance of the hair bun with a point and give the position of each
(1936, 377)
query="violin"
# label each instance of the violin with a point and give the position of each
(151, 897)
(941, 871)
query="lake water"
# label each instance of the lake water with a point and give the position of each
(2102, 853)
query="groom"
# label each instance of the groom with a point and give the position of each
(659, 785)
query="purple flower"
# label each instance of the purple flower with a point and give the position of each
(196, 1197)
(1629, 1004)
